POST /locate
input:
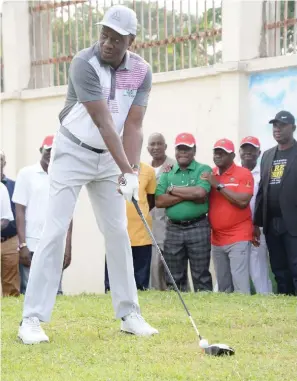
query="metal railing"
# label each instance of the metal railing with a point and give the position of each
(172, 34)
(280, 27)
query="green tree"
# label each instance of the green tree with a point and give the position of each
(78, 32)
(72, 32)
(290, 31)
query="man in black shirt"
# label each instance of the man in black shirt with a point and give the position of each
(276, 203)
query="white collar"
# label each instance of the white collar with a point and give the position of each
(254, 171)
(38, 168)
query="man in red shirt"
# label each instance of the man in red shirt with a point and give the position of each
(231, 219)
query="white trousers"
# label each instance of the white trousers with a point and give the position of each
(70, 168)
(259, 268)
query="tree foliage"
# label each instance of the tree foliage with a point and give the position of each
(290, 31)
(72, 32)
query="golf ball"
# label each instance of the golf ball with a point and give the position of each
(203, 343)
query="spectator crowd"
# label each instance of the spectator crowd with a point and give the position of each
(242, 214)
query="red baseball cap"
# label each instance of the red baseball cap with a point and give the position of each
(250, 140)
(185, 139)
(225, 145)
(48, 142)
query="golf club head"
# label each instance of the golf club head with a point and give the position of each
(219, 350)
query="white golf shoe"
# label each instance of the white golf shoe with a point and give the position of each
(134, 323)
(31, 332)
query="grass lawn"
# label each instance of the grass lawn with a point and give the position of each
(86, 343)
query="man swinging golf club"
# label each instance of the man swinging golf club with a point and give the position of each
(107, 96)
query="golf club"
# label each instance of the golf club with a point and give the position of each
(213, 349)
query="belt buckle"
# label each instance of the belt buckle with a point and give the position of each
(185, 223)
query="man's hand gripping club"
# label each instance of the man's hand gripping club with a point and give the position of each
(129, 186)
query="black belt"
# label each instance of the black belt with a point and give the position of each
(189, 222)
(4, 239)
(75, 140)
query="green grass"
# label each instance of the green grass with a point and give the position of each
(86, 343)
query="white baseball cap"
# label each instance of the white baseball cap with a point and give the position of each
(121, 19)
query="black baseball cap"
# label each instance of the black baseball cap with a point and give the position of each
(284, 117)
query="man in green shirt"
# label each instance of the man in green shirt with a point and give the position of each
(184, 195)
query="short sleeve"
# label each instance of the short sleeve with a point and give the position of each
(246, 183)
(204, 183)
(85, 81)
(5, 211)
(162, 184)
(152, 183)
(22, 189)
(143, 92)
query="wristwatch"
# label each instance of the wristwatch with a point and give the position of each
(22, 245)
(220, 187)
(170, 189)
(136, 168)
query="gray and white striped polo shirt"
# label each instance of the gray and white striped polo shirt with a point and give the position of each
(92, 80)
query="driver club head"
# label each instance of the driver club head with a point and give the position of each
(219, 350)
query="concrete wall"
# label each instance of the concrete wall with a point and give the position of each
(270, 92)
(211, 103)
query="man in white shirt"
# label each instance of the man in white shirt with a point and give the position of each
(259, 267)
(5, 211)
(31, 196)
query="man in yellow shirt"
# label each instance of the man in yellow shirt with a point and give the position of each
(140, 240)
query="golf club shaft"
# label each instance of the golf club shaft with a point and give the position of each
(165, 265)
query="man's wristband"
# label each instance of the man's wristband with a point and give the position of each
(220, 187)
